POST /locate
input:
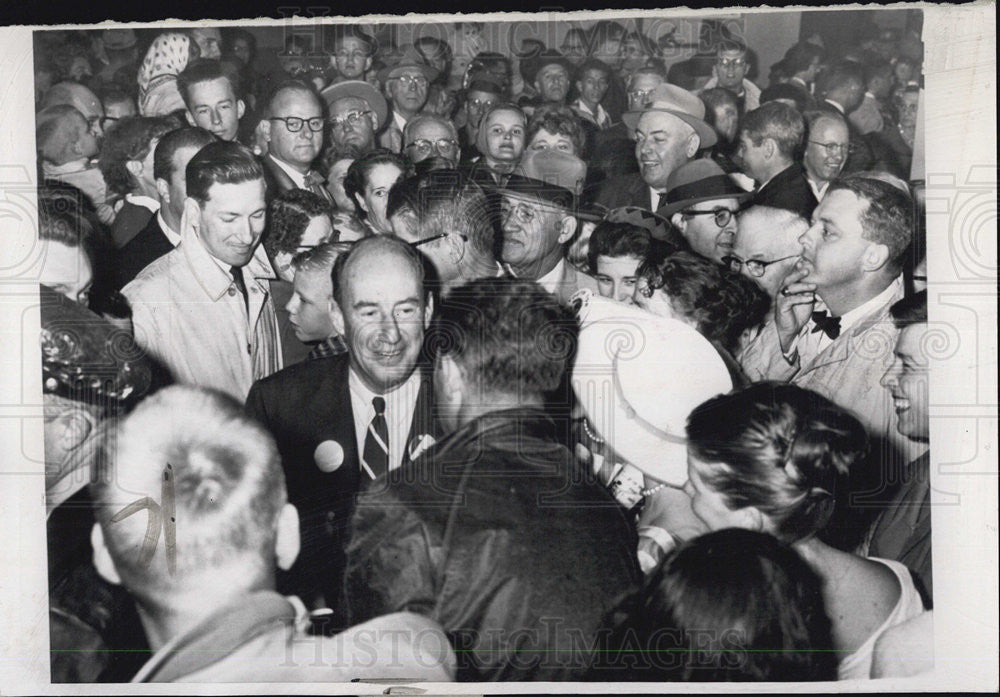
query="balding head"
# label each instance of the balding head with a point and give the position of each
(768, 234)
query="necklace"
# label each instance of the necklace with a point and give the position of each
(590, 434)
(652, 490)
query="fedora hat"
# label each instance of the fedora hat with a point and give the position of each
(359, 89)
(637, 377)
(697, 181)
(409, 57)
(671, 99)
(533, 65)
(550, 175)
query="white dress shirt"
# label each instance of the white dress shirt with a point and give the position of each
(399, 407)
(550, 281)
(147, 202)
(173, 237)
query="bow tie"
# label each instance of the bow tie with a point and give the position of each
(826, 324)
(313, 178)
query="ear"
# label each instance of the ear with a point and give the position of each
(428, 311)
(694, 142)
(360, 201)
(456, 247)
(770, 148)
(368, 65)
(191, 218)
(134, 168)
(163, 190)
(875, 257)
(190, 118)
(679, 221)
(102, 557)
(451, 376)
(337, 318)
(753, 519)
(265, 130)
(288, 542)
(566, 229)
(241, 108)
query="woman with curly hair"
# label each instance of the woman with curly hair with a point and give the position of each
(556, 127)
(773, 458)
(732, 605)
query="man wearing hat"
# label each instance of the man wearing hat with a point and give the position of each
(356, 112)
(702, 202)
(549, 73)
(539, 221)
(669, 131)
(405, 84)
(482, 94)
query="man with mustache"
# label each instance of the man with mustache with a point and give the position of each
(341, 422)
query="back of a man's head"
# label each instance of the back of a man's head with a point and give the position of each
(510, 337)
(888, 217)
(775, 227)
(839, 77)
(215, 490)
(781, 123)
(221, 162)
(163, 157)
(448, 202)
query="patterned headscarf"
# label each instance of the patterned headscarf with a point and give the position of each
(165, 60)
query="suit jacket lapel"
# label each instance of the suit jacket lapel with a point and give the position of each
(334, 415)
(423, 422)
(640, 193)
(841, 348)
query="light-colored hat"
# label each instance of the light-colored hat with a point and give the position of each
(675, 100)
(409, 57)
(359, 89)
(637, 377)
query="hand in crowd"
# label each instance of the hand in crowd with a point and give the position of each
(794, 305)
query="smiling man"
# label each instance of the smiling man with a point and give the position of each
(341, 422)
(203, 309)
(669, 130)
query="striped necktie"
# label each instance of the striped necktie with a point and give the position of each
(375, 459)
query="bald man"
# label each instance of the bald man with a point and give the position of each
(767, 245)
(342, 422)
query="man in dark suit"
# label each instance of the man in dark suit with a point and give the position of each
(842, 88)
(293, 130)
(341, 422)
(669, 131)
(162, 233)
(769, 142)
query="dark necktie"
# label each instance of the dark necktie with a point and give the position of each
(241, 286)
(662, 201)
(376, 455)
(826, 324)
(314, 182)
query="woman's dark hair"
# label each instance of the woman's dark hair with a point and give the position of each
(288, 217)
(732, 605)
(723, 305)
(131, 140)
(779, 448)
(617, 240)
(558, 120)
(357, 174)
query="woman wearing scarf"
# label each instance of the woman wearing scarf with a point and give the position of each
(166, 58)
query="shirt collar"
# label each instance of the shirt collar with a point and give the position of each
(836, 105)
(66, 168)
(363, 393)
(398, 119)
(297, 177)
(172, 236)
(213, 275)
(818, 188)
(550, 281)
(147, 202)
(848, 319)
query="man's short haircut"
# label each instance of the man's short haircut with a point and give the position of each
(617, 240)
(557, 120)
(783, 90)
(650, 67)
(816, 116)
(445, 201)
(592, 64)
(717, 97)
(778, 121)
(839, 75)
(800, 57)
(221, 162)
(287, 84)
(731, 45)
(779, 222)
(189, 137)
(131, 140)
(288, 216)
(114, 95)
(382, 243)
(419, 119)
(228, 485)
(912, 309)
(230, 35)
(509, 336)
(350, 31)
(888, 218)
(319, 259)
(202, 71)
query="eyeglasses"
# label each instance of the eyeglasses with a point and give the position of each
(482, 104)
(833, 149)
(294, 123)
(412, 80)
(722, 215)
(639, 96)
(731, 62)
(434, 238)
(107, 121)
(524, 214)
(755, 267)
(446, 147)
(351, 118)
(345, 54)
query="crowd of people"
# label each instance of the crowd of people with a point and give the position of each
(433, 362)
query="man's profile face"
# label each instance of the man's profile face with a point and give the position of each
(67, 270)
(731, 68)
(756, 240)
(663, 143)
(408, 90)
(232, 221)
(83, 135)
(704, 234)
(384, 317)
(826, 150)
(335, 184)
(352, 58)
(751, 157)
(116, 111)
(299, 148)
(552, 83)
(215, 108)
(616, 277)
(309, 306)
(209, 42)
(833, 246)
(907, 380)
(360, 133)
(531, 231)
